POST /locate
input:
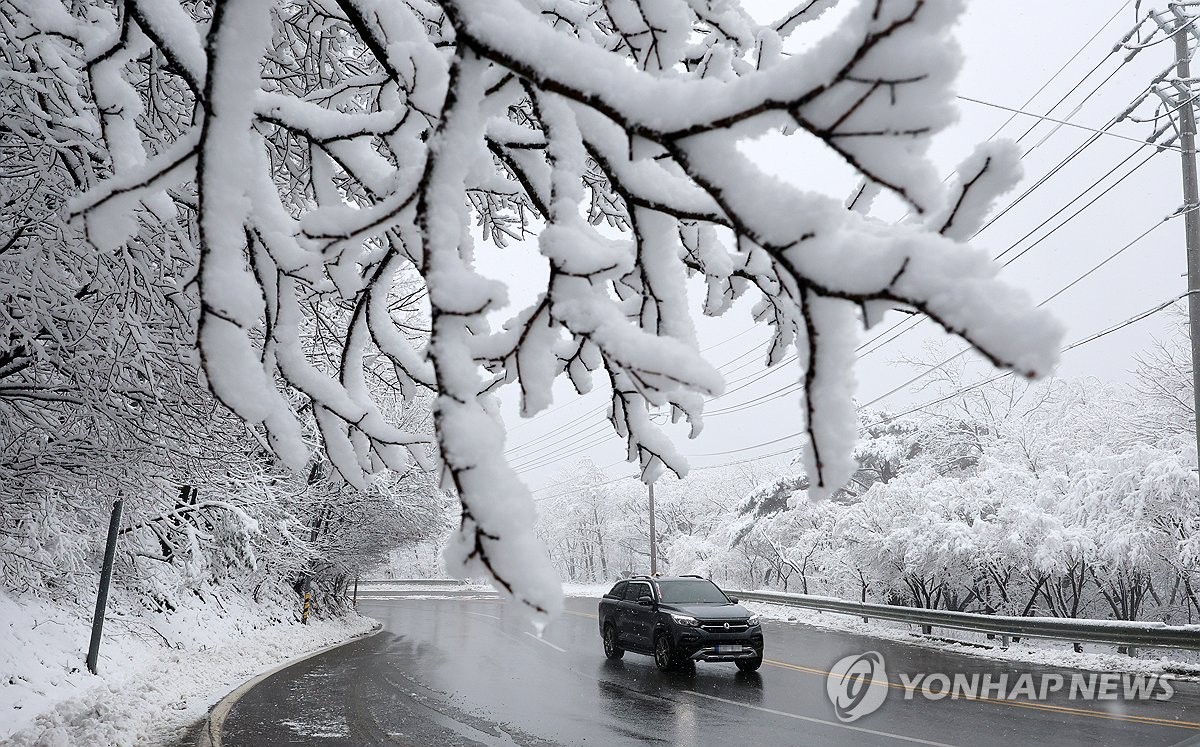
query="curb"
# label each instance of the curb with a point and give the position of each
(210, 736)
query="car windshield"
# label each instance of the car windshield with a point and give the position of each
(699, 591)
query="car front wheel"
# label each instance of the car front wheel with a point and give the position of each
(749, 665)
(664, 656)
(611, 649)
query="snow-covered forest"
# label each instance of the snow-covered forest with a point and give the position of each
(1064, 498)
(101, 391)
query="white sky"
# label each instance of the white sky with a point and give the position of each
(1011, 48)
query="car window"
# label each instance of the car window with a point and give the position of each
(618, 591)
(690, 591)
(636, 590)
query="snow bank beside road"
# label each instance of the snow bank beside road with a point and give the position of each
(156, 677)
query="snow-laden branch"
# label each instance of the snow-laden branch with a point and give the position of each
(340, 148)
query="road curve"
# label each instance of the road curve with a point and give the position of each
(460, 670)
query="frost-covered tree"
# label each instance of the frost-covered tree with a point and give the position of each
(586, 540)
(1060, 510)
(1164, 385)
(336, 153)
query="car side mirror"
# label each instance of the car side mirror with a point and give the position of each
(645, 601)
(733, 600)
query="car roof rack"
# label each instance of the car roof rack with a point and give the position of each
(690, 575)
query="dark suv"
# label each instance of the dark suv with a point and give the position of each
(679, 620)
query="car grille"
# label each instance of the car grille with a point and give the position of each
(735, 626)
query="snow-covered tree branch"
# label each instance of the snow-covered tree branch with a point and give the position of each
(334, 153)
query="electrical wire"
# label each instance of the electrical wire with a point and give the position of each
(1066, 123)
(598, 438)
(891, 417)
(795, 386)
(918, 320)
(956, 393)
(1045, 301)
(1064, 66)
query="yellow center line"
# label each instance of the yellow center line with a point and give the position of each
(1086, 712)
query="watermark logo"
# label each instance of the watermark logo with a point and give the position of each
(857, 685)
(1034, 686)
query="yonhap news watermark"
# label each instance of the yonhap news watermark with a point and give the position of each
(858, 685)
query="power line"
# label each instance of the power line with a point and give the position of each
(547, 460)
(794, 386)
(579, 446)
(747, 381)
(1065, 96)
(1078, 105)
(1063, 67)
(529, 457)
(1049, 175)
(1091, 202)
(919, 408)
(917, 321)
(958, 392)
(1045, 301)
(1065, 122)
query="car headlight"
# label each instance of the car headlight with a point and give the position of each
(685, 620)
(753, 621)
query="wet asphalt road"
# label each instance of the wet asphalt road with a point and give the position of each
(460, 671)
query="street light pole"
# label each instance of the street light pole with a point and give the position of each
(653, 540)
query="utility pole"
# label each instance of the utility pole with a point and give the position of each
(1191, 219)
(653, 541)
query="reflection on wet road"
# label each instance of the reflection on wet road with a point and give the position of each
(470, 671)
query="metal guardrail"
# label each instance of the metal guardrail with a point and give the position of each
(1111, 632)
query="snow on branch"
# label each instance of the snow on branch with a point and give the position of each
(343, 149)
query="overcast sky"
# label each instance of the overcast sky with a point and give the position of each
(1011, 49)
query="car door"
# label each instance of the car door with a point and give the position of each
(616, 605)
(637, 618)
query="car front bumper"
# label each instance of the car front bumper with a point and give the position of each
(712, 653)
(699, 645)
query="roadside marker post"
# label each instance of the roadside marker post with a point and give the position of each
(110, 551)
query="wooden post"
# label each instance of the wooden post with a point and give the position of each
(110, 552)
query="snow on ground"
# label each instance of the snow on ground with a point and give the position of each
(1046, 652)
(586, 590)
(156, 675)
